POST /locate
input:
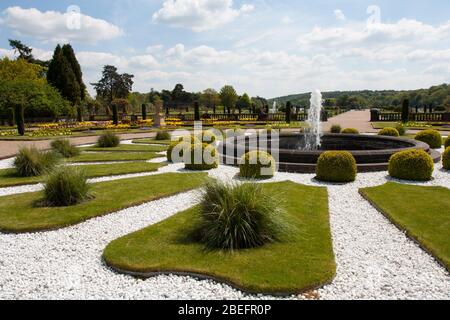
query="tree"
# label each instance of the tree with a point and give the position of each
(229, 97)
(405, 111)
(144, 111)
(210, 99)
(121, 105)
(113, 85)
(288, 112)
(244, 103)
(19, 70)
(69, 54)
(25, 53)
(196, 111)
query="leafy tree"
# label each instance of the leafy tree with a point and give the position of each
(25, 52)
(210, 99)
(229, 97)
(19, 70)
(244, 103)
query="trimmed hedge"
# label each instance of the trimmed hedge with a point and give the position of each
(335, 128)
(446, 158)
(163, 135)
(350, 131)
(336, 166)
(432, 137)
(205, 149)
(413, 165)
(390, 132)
(447, 142)
(257, 164)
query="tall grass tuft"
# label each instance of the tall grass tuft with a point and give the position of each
(66, 186)
(236, 216)
(31, 162)
(108, 140)
(65, 148)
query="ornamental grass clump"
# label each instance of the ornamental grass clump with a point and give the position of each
(432, 137)
(350, 131)
(336, 166)
(239, 216)
(31, 162)
(446, 158)
(66, 186)
(257, 165)
(108, 140)
(413, 165)
(65, 148)
(389, 132)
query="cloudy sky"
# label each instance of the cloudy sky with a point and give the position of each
(264, 47)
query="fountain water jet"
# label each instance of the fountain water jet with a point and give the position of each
(313, 134)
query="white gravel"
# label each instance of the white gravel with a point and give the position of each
(374, 259)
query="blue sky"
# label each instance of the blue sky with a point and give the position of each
(263, 47)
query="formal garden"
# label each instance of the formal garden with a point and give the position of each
(252, 202)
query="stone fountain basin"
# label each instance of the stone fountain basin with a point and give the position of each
(372, 153)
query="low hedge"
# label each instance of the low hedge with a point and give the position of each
(336, 166)
(413, 165)
(390, 132)
(205, 164)
(446, 158)
(257, 164)
(432, 137)
(350, 131)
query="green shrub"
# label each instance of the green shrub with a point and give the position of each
(66, 186)
(446, 158)
(189, 139)
(350, 131)
(108, 140)
(182, 146)
(234, 216)
(447, 142)
(432, 137)
(202, 150)
(414, 165)
(336, 166)
(163, 135)
(65, 148)
(207, 137)
(401, 129)
(31, 162)
(390, 132)
(257, 164)
(335, 128)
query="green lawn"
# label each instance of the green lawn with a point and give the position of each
(151, 141)
(127, 148)
(19, 213)
(8, 177)
(114, 156)
(382, 125)
(304, 262)
(423, 212)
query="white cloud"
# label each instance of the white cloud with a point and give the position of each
(52, 26)
(339, 15)
(199, 15)
(287, 20)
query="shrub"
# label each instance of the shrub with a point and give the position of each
(241, 216)
(65, 187)
(182, 146)
(163, 135)
(31, 162)
(336, 166)
(446, 158)
(401, 129)
(208, 155)
(447, 142)
(65, 148)
(390, 132)
(108, 140)
(207, 137)
(257, 164)
(432, 137)
(414, 165)
(189, 139)
(350, 131)
(335, 128)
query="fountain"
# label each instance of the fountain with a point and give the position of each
(313, 133)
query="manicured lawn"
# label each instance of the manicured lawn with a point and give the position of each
(20, 213)
(151, 141)
(114, 156)
(423, 212)
(381, 125)
(303, 262)
(127, 148)
(8, 177)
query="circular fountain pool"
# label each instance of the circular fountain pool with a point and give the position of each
(372, 153)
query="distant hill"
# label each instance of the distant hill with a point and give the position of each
(437, 96)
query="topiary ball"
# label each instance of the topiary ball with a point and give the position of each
(163, 135)
(335, 128)
(257, 164)
(336, 166)
(401, 129)
(432, 137)
(389, 132)
(446, 158)
(176, 150)
(413, 165)
(203, 156)
(350, 131)
(207, 137)
(447, 142)
(192, 139)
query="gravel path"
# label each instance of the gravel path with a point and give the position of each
(374, 259)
